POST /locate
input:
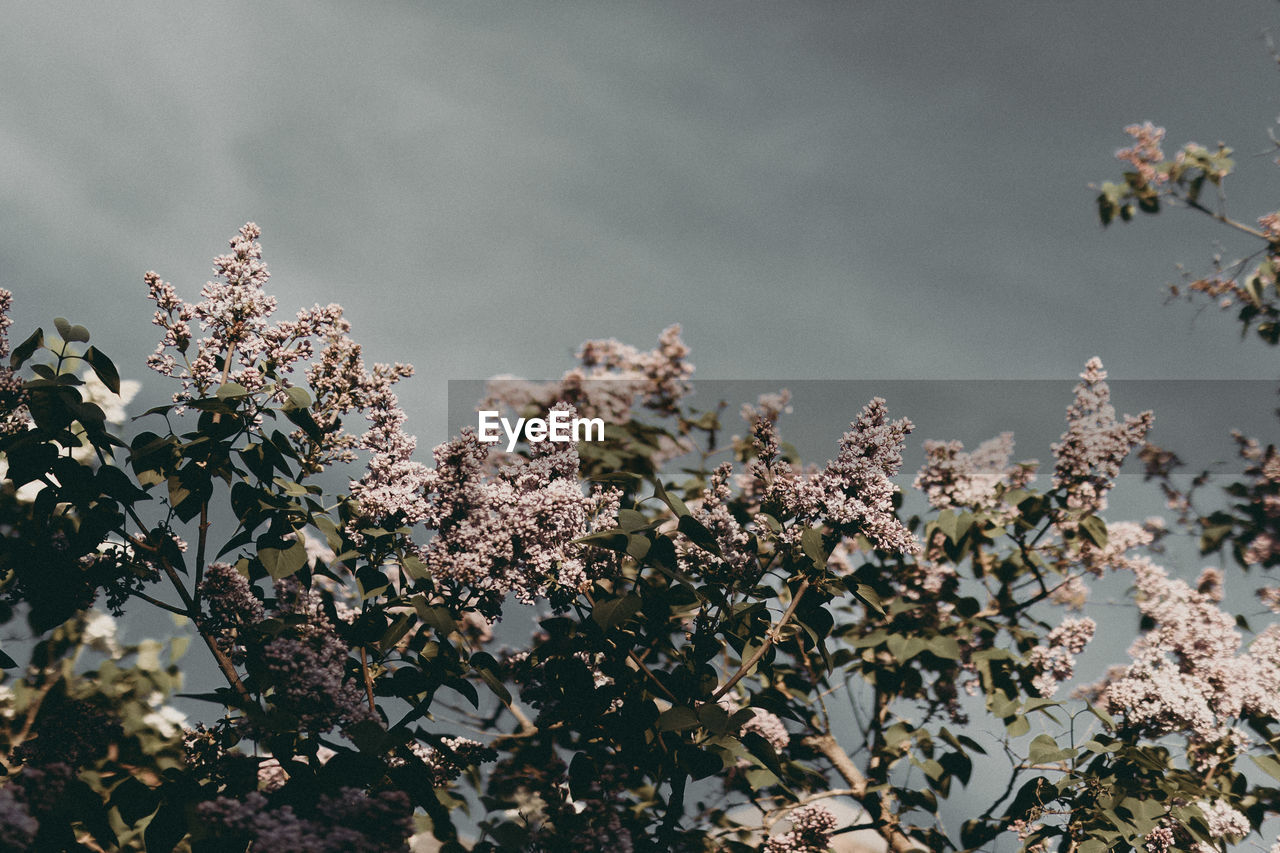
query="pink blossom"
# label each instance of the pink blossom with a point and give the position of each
(951, 477)
(1095, 443)
(1145, 154)
(1055, 658)
(611, 377)
(811, 828)
(514, 533)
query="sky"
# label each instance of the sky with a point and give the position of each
(863, 191)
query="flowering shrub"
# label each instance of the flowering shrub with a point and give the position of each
(680, 687)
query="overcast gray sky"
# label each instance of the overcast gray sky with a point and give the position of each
(815, 190)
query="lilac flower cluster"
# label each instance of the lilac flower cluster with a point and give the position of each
(811, 828)
(345, 821)
(612, 375)
(853, 493)
(515, 532)
(342, 384)
(17, 827)
(1054, 660)
(242, 345)
(764, 723)
(69, 732)
(951, 477)
(1187, 676)
(308, 668)
(230, 608)
(1095, 443)
(769, 726)
(390, 492)
(1145, 154)
(737, 563)
(768, 407)
(13, 412)
(1224, 821)
(443, 767)
(856, 494)
(234, 311)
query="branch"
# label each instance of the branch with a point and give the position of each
(1224, 219)
(770, 636)
(899, 842)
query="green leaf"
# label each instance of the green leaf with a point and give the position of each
(416, 569)
(904, 648)
(713, 717)
(698, 534)
(26, 349)
(103, 368)
(1107, 720)
(947, 524)
(1269, 764)
(1044, 750)
(944, 647)
(813, 547)
(1096, 529)
(677, 506)
(614, 539)
(436, 616)
(297, 398)
(231, 390)
(872, 599)
(395, 631)
(615, 611)
(283, 562)
(485, 664)
(69, 333)
(630, 520)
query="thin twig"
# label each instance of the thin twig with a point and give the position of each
(770, 636)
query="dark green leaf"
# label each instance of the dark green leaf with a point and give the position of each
(677, 718)
(103, 368)
(698, 534)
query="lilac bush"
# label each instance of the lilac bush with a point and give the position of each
(700, 599)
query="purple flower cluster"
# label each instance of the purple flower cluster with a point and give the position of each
(346, 821)
(1145, 154)
(1188, 676)
(230, 607)
(1095, 443)
(307, 667)
(242, 345)
(17, 827)
(1054, 659)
